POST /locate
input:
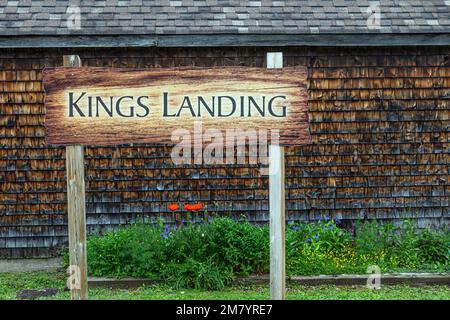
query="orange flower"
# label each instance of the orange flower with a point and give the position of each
(193, 207)
(173, 207)
(198, 206)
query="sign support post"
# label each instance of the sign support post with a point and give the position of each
(76, 211)
(277, 206)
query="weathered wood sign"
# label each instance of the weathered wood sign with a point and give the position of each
(104, 106)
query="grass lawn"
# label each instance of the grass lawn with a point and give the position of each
(12, 283)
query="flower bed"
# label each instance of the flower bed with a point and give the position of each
(211, 254)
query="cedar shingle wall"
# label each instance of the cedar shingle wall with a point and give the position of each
(380, 131)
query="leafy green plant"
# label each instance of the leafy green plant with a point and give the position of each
(133, 251)
(406, 247)
(433, 247)
(318, 247)
(372, 236)
(199, 274)
(243, 246)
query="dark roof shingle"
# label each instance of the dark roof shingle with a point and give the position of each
(153, 17)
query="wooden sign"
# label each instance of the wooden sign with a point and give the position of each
(104, 106)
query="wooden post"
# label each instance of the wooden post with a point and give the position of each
(277, 207)
(76, 211)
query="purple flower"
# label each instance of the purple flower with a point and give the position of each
(316, 236)
(166, 232)
(295, 228)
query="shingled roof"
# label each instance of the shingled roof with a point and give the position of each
(219, 17)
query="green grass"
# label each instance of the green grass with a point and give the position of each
(11, 283)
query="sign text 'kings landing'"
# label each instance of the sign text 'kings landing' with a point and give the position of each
(103, 106)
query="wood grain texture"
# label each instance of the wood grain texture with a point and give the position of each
(277, 206)
(209, 83)
(76, 221)
(226, 40)
(76, 211)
